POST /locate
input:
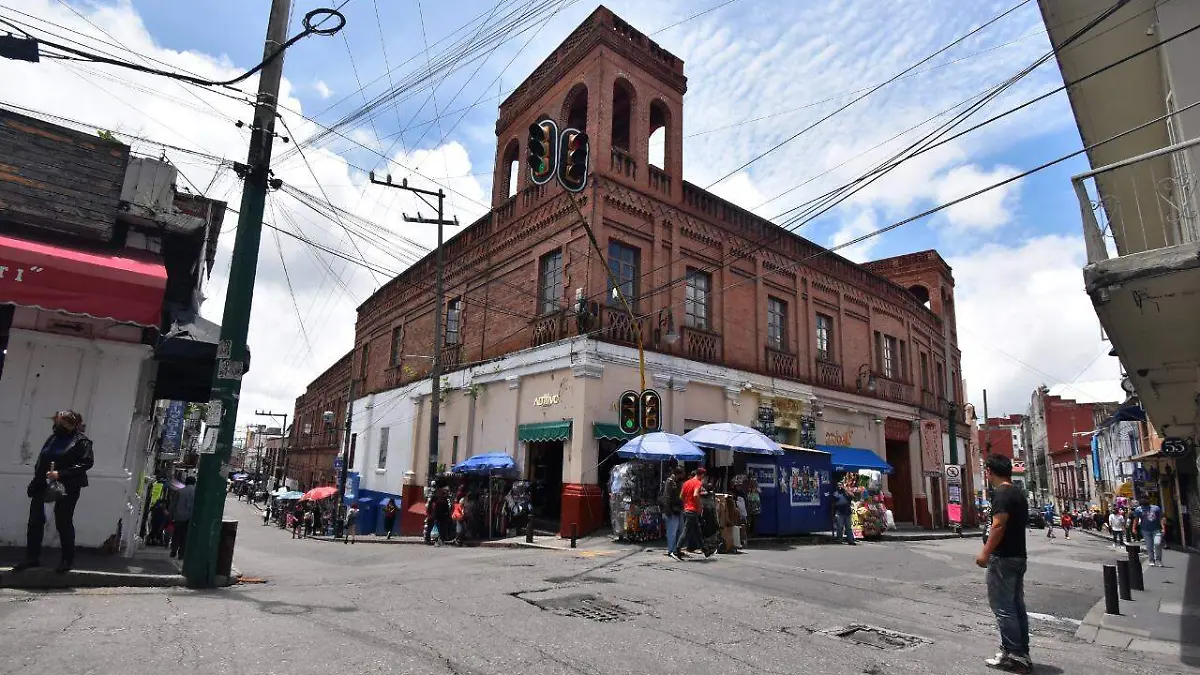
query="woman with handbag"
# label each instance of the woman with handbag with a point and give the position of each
(60, 473)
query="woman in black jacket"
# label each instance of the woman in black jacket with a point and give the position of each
(65, 457)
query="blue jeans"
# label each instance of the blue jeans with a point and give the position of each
(1006, 595)
(842, 527)
(1153, 539)
(689, 533)
(672, 533)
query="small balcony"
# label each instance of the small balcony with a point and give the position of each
(548, 328)
(451, 357)
(660, 180)
(1141, 228)
(701, 345)
(781, 364)
(623, 164)
(619, 328)
(928, 400)
(894, 390)
(829, 374)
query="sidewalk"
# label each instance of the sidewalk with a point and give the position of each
(1163, 619)
(148, 568)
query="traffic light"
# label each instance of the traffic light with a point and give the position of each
(631, 413)
(573, 160)
(651, 409)
(543, 148)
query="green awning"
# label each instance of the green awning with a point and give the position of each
(544, 431)
(609, 432)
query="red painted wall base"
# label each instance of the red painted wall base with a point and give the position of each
(922, 515)
(582, 505)
(412, 518)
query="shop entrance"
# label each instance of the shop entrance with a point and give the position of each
(545, 470)
(900, 481)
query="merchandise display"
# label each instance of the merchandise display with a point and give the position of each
(633, 501)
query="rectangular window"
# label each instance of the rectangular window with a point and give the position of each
(454, 449)
(824, 337)
(924, 371)
(776, 323)
(904, 374)
(695, 299)
(366, 357)
(453, 322)
(397, 337)
(941, 381)
(889, 357)
(383, 447)
(623, 262)
(550, 282)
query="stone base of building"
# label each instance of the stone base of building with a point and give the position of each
(582, 505)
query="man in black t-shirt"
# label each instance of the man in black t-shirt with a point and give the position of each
(1004, 557)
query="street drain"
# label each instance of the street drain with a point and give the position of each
(879, 638)
(583, 606)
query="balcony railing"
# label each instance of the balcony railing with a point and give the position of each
(1144, 203)
(548, 328)
(829, 374)
(451, 356)
(702, 345)
(894, 390)
(660, 180)
(618, 327)
(928, 400)
(622, 163)
(781, 364)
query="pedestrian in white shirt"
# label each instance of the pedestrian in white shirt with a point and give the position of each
(1116, 525)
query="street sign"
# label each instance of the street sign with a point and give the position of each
(337, 463)
(953, 473)
(1176, 447)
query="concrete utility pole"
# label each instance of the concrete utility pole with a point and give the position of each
(435, 374)
(200, 564)
(347, 440)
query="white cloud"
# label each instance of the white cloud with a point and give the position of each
(322, 89)
(1025, 320)
(864, 223)
(985, 212)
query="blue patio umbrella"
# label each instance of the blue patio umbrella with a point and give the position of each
(735, 437)
(661, 446)
(489, 462)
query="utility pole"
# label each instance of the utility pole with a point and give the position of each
(200, 563)
(987, 428)
(346, 442)
(435, 374)
(283, 434)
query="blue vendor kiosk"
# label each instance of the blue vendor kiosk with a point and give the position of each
(792, 487)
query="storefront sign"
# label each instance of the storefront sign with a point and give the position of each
(931, 446)
(841, 438)
(896, 430)
(1176, 447)
(1018, 466)
(786, 408)
(546, 400)
(173, 427)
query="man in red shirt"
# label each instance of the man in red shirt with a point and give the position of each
(690, 534)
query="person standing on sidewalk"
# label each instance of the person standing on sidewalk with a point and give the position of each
(65, 459)
(1067, 522)
(671, 502)
(350, 533)
(843, 528)
(181, 515)
(1149, 522)
(1116, 525)
(389, 516)
(1004, 556)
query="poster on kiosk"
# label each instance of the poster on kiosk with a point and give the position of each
(793, 488)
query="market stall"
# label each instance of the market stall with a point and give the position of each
(792, 489)
(634, 486)
(861, 471)
(487, 479)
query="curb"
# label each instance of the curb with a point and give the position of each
(48, 579)
(931, 536)
(1093, 631)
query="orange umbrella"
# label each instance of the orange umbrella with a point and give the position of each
(319, 493)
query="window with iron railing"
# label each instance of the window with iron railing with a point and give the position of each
(696, 299)
(454, 322)
(550, 282)
(824, 337)
(776, 323)
(623, 262)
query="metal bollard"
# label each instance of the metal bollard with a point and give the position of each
(1111, 604)
(529, 531)
(574, 533)
(1123, 580)
(1135, 567)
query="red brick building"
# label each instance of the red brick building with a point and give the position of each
(1002, 436)
(724, 299)
(1062, 443)
(313, 443)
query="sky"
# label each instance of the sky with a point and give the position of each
(759, 72)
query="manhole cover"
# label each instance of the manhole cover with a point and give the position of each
(879, 638)
(583, 606)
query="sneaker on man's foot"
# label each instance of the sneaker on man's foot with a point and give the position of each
(1021, 664)
(1000, 661)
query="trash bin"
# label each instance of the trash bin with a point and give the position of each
(225, 548)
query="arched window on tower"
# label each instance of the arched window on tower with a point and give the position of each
(575, 108)
(622, 114)
(510, 165)
(659, 124)
(921, 293)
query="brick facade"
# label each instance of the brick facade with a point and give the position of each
(313, 444)
(892, 319)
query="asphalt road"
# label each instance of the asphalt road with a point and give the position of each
(370, 608)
